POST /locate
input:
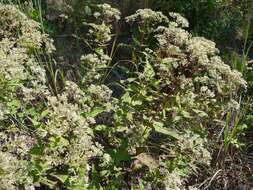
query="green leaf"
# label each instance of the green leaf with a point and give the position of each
(186, 114)
(121, 154)
(158, 126)
(51, 184)
(137, 42)
(126, 98)
(95, 111)
(136, 103)
(130, 79)
(63, 141)
(62, 178)
(14, 103)
(88, 10)
(250, 77)
(13, 106)
(200, 113)
(35, 122)
(104, 173)
(148, 70)
(129, 116)
(101, 128)
(80, 185)
(44, 113)
(38, 150)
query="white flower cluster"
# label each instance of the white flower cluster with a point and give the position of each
(13, 171)
(91, 59)
(195, 146)
(12, 61)
(67, 134)
(206, 92)
(93, 64)
(19, 35)
(233, 105)
(34, 91)
(17, 65)
(16, 25)
(59, 121)
(232, 79)
(199, 64)
(101, 92)
(179, 20)
(74, 93)
(172, 35)
(195, 83)
(37, 70)
(62, 109)
(147, 16)
(100, 32)
(173, 181)
(201, 47)
(109, 13)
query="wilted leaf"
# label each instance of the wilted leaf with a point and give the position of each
(147, 160)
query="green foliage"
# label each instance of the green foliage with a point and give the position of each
(175, 89)
(213, 19)
(62, 127)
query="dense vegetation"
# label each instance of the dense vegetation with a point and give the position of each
(126, 95)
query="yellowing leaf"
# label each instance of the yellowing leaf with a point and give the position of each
(147, 160)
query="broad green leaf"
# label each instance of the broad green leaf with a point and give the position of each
(200, 113)
(35, 122)
(38, 150)
(44, 113)
(129, 116)
(101, 128)
(126, 98)
(95, 111)
(120, 154)
(148, 70)
(136, 103)
(62, 178)
(186, 114)
(159, 127)
(63, 141)
(87, 10)
(131, 79)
